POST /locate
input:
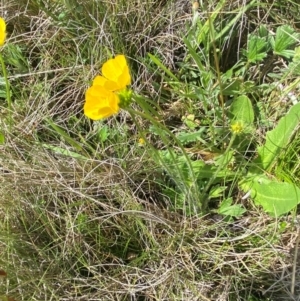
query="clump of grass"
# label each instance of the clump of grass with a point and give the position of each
(88, 212)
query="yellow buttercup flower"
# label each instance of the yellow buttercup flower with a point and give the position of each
(2, 31)
(115, 74)
(109, 92)
(100, 103)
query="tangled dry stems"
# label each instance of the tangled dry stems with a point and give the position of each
(88, 229)
(125, 249)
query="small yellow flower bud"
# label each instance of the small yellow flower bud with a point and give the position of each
(237, 127)
(141, 141)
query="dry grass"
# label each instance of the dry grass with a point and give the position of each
(94, 225)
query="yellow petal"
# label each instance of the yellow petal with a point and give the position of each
(100, 103)
(116, 71)
(2, 31)
(124, 79)
(105, 83)
(99, 81)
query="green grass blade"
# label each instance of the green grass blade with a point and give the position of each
(155, 60)
(230, 24)
(63, 151)
(65, 135)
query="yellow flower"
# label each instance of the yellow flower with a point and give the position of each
(109, 92)
(2, 31)
(115, 74)
(100, 103)
(141, 141)
(237, 127)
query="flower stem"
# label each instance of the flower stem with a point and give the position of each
(204, 196)
(7, 86)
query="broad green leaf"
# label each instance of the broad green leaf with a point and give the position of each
(278, 138)
(256, 50)
(241, 109)
(285, 38)
(276, 198)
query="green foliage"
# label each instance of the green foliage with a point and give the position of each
(228, 209)
(103, 134)
(276, 198)
(256, 49)
(242, 109)
(278, 139)
(294, 66)
(15, 57)
(285, 38)
(187, 137)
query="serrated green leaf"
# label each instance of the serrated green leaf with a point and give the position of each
(226, 203)
(2, 93)
(230, 210)
(287, 53)
(284, 39)
(256, 50)
(296, 57)
(185, 137)
(294, 66)
(217, 191)
(103, 133)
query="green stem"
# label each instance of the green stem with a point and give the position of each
(7, 86)
(167, 136)
(220, 167)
